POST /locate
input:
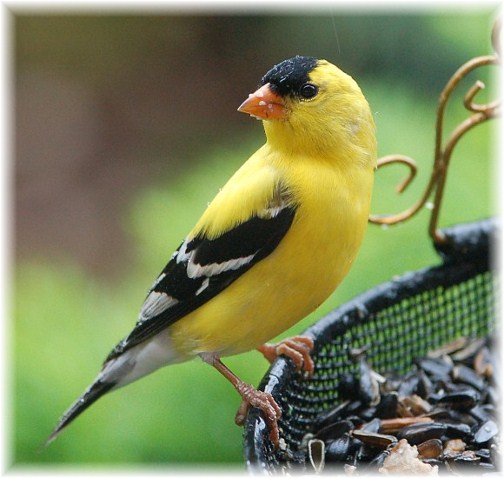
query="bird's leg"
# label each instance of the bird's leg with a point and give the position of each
(250, 396)
(297, 348)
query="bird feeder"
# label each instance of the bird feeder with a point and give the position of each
(430, 314)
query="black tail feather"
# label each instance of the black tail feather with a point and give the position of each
(93, 393)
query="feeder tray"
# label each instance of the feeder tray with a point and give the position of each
(401, 320)
(396, 322)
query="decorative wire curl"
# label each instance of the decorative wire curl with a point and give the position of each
(442, 155)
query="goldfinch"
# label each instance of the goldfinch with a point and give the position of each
(270, 248)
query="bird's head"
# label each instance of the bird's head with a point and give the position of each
(311, 106)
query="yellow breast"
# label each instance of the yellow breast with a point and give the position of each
(309, 263)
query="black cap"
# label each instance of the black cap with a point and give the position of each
(287, 78)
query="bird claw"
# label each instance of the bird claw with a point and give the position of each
(264, 402)
(250, 397)
(297, 348)
(241, 413)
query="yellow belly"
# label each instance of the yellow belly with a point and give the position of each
(309, 263)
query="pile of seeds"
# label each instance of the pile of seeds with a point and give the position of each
(440, 416)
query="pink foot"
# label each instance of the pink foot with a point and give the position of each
(264, 402)
(297, 348)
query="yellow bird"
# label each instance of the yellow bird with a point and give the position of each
(270, 248)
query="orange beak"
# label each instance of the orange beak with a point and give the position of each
(264, 104)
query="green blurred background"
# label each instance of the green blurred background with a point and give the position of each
(126, 126)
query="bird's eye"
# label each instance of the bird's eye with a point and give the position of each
(308, 91)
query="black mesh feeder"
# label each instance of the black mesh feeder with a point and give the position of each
(396, 323)
(394, 333)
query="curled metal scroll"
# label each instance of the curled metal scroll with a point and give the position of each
(443, 150)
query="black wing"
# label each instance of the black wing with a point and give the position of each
(201, 268)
